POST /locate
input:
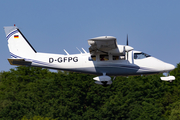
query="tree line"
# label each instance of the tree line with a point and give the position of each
(30, 93)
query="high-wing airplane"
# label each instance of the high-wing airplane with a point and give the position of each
(106, 58)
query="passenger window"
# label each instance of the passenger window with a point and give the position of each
(116, 57)
(140, 55)
(119, 57)
(104, 57)
(92, 58)
(122, 57)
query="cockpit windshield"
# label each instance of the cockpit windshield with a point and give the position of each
(141, 55)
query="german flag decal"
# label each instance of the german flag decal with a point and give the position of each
(16, 36)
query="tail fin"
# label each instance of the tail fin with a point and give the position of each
(19, 46)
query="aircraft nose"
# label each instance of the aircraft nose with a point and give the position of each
(169, 67)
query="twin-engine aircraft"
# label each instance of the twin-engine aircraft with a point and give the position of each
(106, 58)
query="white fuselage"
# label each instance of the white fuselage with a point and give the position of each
(85, 64)
(106, 58)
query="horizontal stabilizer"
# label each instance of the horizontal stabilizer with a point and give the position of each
(19, 62)
(168, 78)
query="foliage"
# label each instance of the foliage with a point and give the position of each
(37, 118)
(31, 93)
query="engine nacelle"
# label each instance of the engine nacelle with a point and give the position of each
(120, 50)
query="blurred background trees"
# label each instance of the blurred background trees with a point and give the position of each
(34, 93)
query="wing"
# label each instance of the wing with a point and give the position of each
(102, 44)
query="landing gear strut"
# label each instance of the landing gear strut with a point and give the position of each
(104, 83)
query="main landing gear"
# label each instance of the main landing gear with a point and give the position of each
(103, 80)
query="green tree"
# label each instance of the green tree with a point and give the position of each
(39, 93)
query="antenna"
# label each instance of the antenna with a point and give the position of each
(84, 50)
(79, 50)
(66, 52)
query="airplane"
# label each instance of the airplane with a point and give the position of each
(105, 58)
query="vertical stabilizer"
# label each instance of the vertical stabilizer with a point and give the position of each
(19, 46)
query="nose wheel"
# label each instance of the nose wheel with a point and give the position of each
(168, 78)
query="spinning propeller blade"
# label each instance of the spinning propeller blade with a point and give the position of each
(127, 40)
(127, 45)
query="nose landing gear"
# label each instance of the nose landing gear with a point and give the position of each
(168, 78)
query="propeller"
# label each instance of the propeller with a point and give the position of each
(127, 40)
(127, 45)
(127, 48)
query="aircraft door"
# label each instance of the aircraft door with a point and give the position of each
(89, 61)
(84, 59)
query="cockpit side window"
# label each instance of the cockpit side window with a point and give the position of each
(140, 55)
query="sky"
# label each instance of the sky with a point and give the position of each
(53, 25)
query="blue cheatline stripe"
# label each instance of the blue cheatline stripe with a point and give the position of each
(14, 56)
(34, 61)
(126, 66)
(40, 62)
(121, 66)
(12, 33)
